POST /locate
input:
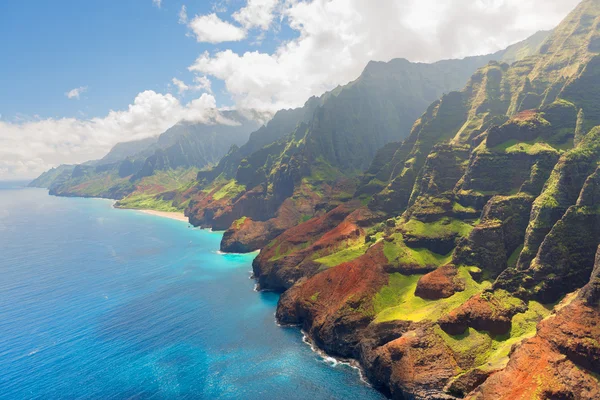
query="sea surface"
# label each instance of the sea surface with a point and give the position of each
(100, 303)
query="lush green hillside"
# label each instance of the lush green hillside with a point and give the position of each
(307, 160)
(442, 274)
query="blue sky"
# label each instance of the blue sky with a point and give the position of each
(115, 48)
(78, 76)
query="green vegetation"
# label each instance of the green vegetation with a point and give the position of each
(229, 190)
(239, 222)
(532, 147)
(397, 300)
(491, 352)
(397, 252)
(439, 229)
(458, 208)
(324, 172)
(148, 202)
(469, 345)
(342, 256)
(150, 192)
(304, 218)
(514, 257)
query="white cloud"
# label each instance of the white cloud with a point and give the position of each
(75, 93)
(157, 3)
(181, 86)
(334, 41)
(337, 38)
(183, 18)
(211, 29)
(203, 83)
(30, 147)
(257, 13)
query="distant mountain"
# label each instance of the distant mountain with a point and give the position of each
(185, 146)
(56, 175)
(123, 150)
(189, 145)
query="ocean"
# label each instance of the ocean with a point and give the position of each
(100, 303)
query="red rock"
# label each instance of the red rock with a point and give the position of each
(440, 284)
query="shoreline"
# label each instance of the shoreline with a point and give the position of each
(332, 361)
(175, 215)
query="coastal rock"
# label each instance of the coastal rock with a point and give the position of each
(291, 256)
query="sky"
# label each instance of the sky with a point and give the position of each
(77, 77)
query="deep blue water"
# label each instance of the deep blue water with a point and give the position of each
(99, 303)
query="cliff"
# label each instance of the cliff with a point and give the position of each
(466, 263)
(305, 162)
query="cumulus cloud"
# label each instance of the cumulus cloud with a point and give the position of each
(337, 38)
(28, 148)
(157, 3)
(75, 93)
(257, 13)
(211, 29)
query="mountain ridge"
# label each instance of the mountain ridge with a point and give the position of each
(483, 220)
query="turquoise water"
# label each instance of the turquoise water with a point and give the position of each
(98, 303)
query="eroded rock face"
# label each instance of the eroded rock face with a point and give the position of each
(559, 362)
(246, 235)
(439, 284)
(489, 312)
(416, 365)
(290, 257)
(334, 306)
(500, 233)
(487, 212)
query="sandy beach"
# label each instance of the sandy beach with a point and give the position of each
(179, 216)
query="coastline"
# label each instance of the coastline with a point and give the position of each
(332, 361)
(178, 216)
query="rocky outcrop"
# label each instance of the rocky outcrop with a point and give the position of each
(333, 305)
(291, 256)
(498, 236)
(489, 311)
(561, 360)
(440, 284)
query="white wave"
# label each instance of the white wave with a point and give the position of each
(335, 361)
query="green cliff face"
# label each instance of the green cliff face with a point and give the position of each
(316, 154)
(461, 240)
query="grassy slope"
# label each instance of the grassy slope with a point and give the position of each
(148, 191)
